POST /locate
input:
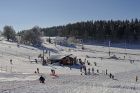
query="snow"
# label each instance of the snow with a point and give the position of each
(19, 77)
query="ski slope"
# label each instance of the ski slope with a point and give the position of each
(19, 77)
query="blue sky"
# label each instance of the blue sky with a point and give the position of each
(24, 14)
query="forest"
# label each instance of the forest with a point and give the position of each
(100, 30)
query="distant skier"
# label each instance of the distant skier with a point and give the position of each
(136, 78)
(88, 63)
(11, 61)
(36, 60)
(109, 53)
(52, 72)
(85, 60)
(97, 71)
(89, 71)
(95, 63)
(106, 71)
(37, 70)
(80, 61)
(42, 79)
(110, 75)
(17, 45)
(81, 69)
(85, 69)
(92, 70)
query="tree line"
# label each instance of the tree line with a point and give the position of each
(100, 30)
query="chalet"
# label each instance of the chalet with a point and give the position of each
(63, 59)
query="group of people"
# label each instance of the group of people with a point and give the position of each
(132, 61)
(84, 70)
(111, 76)
(42, 79)
(90, 71)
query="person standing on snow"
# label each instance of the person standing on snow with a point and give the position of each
(136, 78)
(37, 70)
(11, 61)
(92, 70)
(89, 71)
(42, 79)
(106, 71)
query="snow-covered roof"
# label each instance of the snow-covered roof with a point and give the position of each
(58, 57)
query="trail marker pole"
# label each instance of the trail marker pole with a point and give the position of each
(109, 47)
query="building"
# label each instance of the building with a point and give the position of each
(63, 59)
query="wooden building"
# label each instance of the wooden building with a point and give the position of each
(63, 59)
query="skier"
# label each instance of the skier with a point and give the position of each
(92, 70)
(109, 53)
(85, 69)
(97, 71)
(95, 63)
(36, 60)
(88, 71)
(53, 72)
(110, 75)
(106, 71)
(101, 58)
(124, 57)
(17, 45)
(42, 79)
(11, 61)
(37, 70)
(81, 69)
(88, 63)
(85, 60)
(136, 78)
(49, 53)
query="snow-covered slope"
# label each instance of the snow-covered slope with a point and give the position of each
(19, 77)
